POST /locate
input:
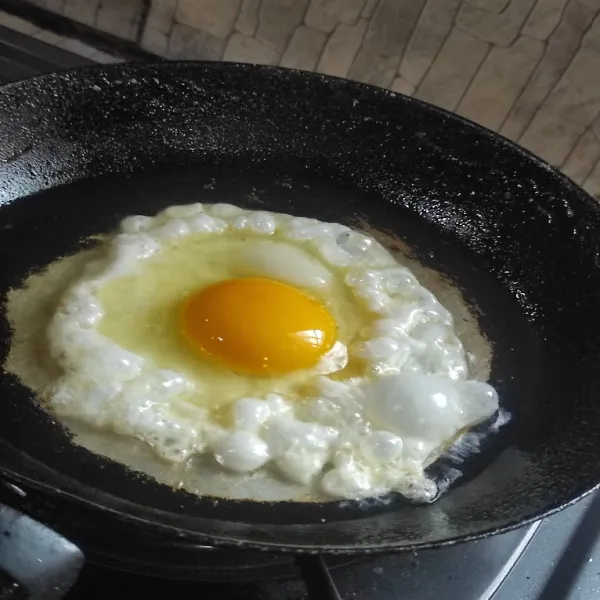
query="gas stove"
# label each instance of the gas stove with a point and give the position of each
(557, 558)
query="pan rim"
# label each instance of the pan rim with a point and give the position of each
(374, 89)
(121, 509)
(90, 491)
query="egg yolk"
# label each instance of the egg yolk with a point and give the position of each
(257, 326)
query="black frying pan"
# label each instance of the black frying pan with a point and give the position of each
(82, 149)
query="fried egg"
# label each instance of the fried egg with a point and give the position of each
(265, 340)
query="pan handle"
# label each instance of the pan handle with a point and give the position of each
(36, 563)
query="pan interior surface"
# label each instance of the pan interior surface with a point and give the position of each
(90, 147)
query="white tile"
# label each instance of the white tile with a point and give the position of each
(49, 37)
(17, 24)
(78, 47)
(155, 41)
(83, 11)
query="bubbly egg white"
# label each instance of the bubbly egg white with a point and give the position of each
(368, 419)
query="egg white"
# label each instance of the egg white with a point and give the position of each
(365, 421)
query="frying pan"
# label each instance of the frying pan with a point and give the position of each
(82, 149)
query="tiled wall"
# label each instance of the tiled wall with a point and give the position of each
(529, 69)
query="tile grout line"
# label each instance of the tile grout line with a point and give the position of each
(547, 45)
(522, 91)
(409, 40)
(519, 34)
(541, 104)
(301, 24)
(588, 130)
(439, 50)
(330, 35)
(362, 41)
(412, 35)
(491, 46)
(235, 20)
(170, 33)
(327, 38)
(560, 20)
(146, 5)
(468, 86)
(596, 165)
(258, 21)
(96, 13)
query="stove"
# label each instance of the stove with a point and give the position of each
(557, 558)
